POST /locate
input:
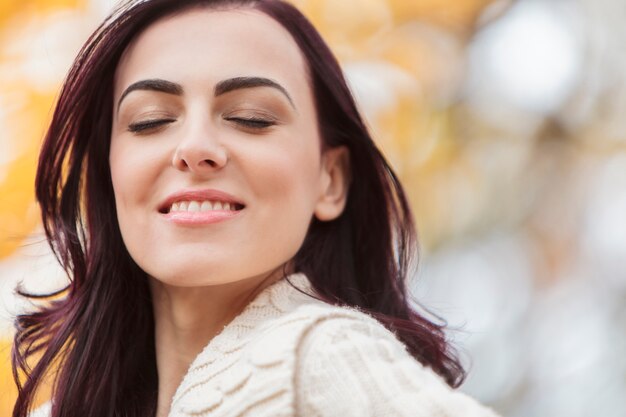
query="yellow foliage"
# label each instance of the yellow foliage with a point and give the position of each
(431, 56)
(456, 15)
(348, 20)
(10, 8)
(8, 391)
(26, 112)
(18, 212)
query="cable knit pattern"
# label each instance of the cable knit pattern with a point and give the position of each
(288, 354)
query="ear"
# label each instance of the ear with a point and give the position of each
(334, 183)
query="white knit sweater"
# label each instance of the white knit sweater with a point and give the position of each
(288, 354)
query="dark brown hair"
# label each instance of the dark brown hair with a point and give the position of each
(98, 332)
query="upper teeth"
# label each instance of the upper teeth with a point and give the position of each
(192, 206)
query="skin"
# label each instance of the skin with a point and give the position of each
(202, 276)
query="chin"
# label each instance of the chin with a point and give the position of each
(196, 276)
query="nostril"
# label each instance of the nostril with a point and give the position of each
(185, 159)
(180, 163)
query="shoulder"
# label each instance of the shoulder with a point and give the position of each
(296, 325)
(314, 320)
(292, 309)
(349, 364)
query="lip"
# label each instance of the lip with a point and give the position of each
(202, 217)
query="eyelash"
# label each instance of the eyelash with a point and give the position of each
(251, 123)
(148, 125)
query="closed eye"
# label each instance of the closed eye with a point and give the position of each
(252, 122)
(148, 125)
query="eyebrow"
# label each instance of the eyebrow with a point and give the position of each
(152, 85)
(237, 83)
(222, 87)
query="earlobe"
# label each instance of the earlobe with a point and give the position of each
(335, 183)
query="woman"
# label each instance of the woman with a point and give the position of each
(236, 243)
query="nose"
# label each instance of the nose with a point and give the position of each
(200, 152)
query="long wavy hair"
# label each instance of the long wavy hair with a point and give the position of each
(96, 335)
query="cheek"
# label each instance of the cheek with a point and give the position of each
(283, 181)
(133, 176)
(285, 175)
(133, 172)
(121, 170)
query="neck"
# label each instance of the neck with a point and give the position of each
(188, 318)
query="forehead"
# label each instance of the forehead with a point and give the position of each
(206, 45)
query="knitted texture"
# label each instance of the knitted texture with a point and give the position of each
(288, 354)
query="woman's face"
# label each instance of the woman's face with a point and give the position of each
(215, 152)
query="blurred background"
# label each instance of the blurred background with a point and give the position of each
(506, 123)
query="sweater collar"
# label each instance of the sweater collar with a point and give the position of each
(272, 302)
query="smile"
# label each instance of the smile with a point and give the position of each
(199, 201)
(203, 206)
(198, 207)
